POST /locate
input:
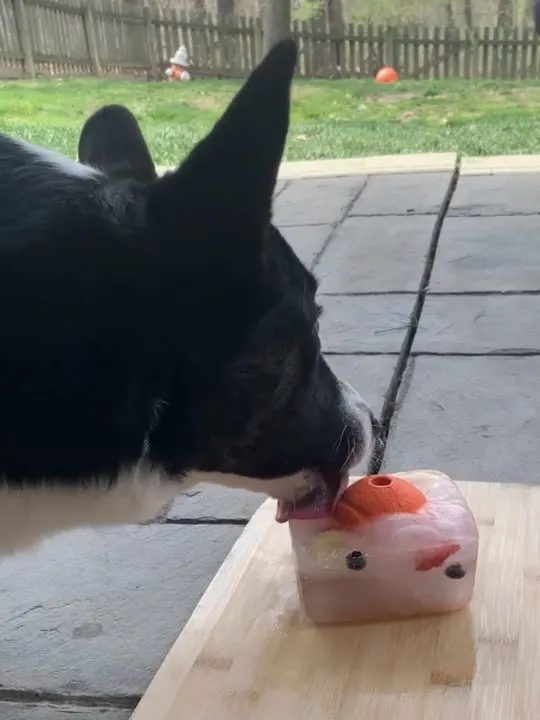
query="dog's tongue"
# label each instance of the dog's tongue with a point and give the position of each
(306, 510)
(318, 504)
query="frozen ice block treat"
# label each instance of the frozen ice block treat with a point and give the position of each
(394, 546)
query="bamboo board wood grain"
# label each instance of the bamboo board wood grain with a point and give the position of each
(247, 653)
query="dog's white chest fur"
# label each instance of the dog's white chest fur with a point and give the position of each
(29, 515)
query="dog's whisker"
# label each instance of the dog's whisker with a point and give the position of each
(350, 454)
(340, 438)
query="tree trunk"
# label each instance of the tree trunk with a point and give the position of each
(334, 15)
(505, 14)
(536, 15)
(334, 12)
(277, 18)
(225, 7)
(318, 46)
(468, 11)
(225, 11)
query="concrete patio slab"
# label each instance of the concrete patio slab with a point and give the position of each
(93, 613)
(476, 324)
(365, 323)
(370, 375)
(474, 418)
(480, 254)
(316, 201)
(18, 711)
(376, 254)
(212, 502)
(280, 187)
(403, 194)
(499, 194)
(307, 241)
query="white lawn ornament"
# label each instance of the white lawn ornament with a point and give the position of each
(179, 65)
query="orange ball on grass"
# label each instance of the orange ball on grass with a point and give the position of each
(387, 75)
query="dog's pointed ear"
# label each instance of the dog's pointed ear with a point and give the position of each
(111, 141)
(235, 167)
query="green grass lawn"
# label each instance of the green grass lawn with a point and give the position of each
(338, 118)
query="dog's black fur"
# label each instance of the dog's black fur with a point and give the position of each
(164, 323)
(121, 148)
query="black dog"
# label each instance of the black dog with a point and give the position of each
(159, 332)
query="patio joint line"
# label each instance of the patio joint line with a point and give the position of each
(434, 293)
(33, 697)
(454, 213)
(391, 395)
(510, 352)
(407, 213)
(204, 520)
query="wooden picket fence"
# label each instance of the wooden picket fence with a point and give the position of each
(99, 37)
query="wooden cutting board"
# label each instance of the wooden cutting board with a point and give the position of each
(248, 653)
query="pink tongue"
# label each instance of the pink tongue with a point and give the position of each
(313, 508)
(287, 511)
(321, 505)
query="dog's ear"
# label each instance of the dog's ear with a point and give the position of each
(233, 171)
(111, 141)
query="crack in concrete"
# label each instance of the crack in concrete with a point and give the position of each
(23, 613)
(411, 213)
(208, 520)
(391, 395)
(286, 184)
(335, 227)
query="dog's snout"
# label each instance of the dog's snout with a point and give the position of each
(355, 405)
(361, 421)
